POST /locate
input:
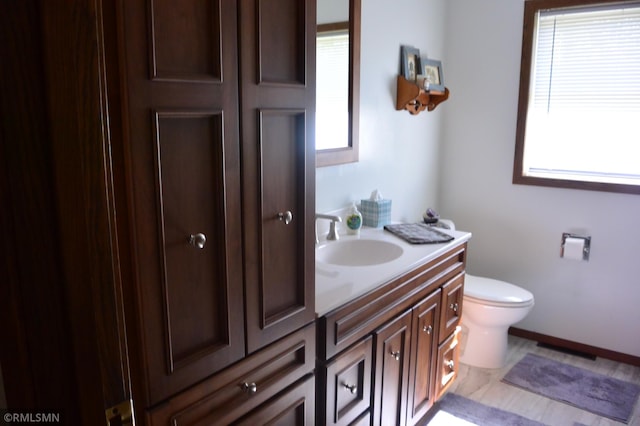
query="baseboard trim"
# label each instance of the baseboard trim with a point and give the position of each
(574, 346)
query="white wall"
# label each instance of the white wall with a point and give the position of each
(398, 151)
(516, 228)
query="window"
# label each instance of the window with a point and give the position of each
(332, 89)
(579, 109)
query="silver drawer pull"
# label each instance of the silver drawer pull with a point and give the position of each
(249, 388)
(454, 307)
(286, 217)
(197, 240)
(396, 355)
(427, 329)
(351, 388)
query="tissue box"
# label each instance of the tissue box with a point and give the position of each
(375, 213)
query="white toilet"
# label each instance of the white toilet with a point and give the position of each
(489, 308)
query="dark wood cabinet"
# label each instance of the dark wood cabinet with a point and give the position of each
(392, 348)
(277, 132)
(258, 379)
(219, 160)
(452, 297)
(294, 407)
(424, 343)
(447, 364)
(183, 169)
(347, 380)
(411, 357)
(163, 153)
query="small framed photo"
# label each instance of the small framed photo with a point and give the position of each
(410, 63)
(432, 73)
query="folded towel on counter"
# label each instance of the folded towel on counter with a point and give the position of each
(418, 233)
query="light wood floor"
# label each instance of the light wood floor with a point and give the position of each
(484, 386)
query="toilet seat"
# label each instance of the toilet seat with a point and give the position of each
(488, 291)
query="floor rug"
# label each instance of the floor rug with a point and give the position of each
(456, 410)
(596, 393)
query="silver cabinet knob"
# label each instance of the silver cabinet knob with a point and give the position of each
(454, 307)
(351, 388)
(450, 364)
(249, 388)
(197, 240)
(286, 217)
(427, 329)
(396, 355)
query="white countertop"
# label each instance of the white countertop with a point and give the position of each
(337, 285)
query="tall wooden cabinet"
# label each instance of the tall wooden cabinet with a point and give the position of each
(183, 172)
(277, 133)
(218, 112)
(158, 166)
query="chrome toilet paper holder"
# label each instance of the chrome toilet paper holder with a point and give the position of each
(587, 244)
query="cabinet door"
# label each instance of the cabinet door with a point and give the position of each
(392, 371)
(277, 40)
(452, 296)
(183, 174)
(347, 381)
(424, 345)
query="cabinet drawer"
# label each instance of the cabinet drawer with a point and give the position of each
(294, 407)
(241, 388)
(452, 296)
(348, 384)
(448, 357)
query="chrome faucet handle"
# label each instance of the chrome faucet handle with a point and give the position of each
(333, 233)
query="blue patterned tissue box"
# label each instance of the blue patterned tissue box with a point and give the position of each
(376, 213)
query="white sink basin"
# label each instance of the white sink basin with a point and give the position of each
(358, 252)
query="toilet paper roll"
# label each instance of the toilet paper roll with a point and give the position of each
(573, 248)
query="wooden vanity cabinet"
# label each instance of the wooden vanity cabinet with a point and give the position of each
(404, 320)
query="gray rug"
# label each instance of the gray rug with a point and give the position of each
(479, 414)
(596, 393)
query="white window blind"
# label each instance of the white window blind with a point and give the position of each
(332, 90)
(583, 120)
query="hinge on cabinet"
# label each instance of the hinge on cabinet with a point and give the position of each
(121, 414)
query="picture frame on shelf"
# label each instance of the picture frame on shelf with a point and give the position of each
(411, 65)
(432, 75)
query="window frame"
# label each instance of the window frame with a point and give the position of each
(531, 7)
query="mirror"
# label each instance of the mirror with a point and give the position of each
(338, 82)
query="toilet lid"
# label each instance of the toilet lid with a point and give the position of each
(494, 292)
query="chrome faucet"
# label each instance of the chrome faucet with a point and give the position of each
(333, 233)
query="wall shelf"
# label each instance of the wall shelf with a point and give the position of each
(415, 100)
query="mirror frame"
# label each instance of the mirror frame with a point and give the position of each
(350, 154)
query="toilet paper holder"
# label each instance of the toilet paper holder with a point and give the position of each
(585, 250)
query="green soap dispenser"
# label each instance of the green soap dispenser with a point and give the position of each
(353, 220)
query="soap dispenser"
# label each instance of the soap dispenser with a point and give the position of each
(353, 220)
